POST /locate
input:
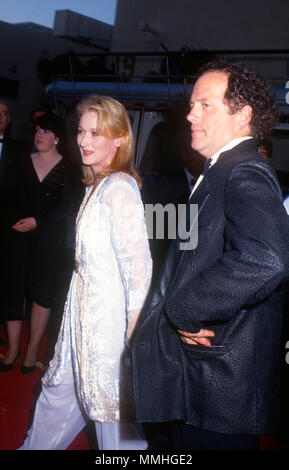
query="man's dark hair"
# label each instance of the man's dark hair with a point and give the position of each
(247, 87)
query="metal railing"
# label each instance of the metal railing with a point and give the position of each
(171, 69)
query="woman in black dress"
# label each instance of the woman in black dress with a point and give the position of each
(43, 200)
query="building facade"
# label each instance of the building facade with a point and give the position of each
(31, 53)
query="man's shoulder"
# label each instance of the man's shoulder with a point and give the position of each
(245, 150)
(243, 157)
(243, 163)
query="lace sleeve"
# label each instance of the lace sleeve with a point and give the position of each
(130, 242)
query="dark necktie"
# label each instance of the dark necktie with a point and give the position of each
(193, 181)
(207, 165)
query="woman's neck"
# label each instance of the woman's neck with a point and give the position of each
(97, 180)
(49, 155)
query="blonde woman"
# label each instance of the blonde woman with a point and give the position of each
(89, 377)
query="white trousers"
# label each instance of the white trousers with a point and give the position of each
(59, 418)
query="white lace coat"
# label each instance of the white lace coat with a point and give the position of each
(107, 291)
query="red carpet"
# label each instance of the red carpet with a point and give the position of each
(18, 394)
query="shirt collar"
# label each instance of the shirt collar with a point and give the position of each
(233, 143)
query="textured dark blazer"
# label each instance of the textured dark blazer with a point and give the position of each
(11, 152)
(232, 283)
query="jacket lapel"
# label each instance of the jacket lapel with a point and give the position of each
(3, 160)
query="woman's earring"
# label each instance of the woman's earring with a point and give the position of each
(55, 142)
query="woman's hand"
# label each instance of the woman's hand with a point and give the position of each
(25, 225)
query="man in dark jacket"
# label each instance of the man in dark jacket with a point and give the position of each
(10, 151)
(207, 349)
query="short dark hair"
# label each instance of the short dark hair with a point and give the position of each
(2, 100)
(247, 87)
(51, 122)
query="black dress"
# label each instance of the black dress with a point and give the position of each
(36, 258)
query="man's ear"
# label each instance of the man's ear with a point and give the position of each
(245, 116)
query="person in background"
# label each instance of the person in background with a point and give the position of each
(265, 148)
(11, 152)
(42, 199)
(90, 374)
(169, 169)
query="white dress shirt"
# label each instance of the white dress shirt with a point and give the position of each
(286, 204)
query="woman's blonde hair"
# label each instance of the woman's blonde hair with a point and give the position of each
(113, 122)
